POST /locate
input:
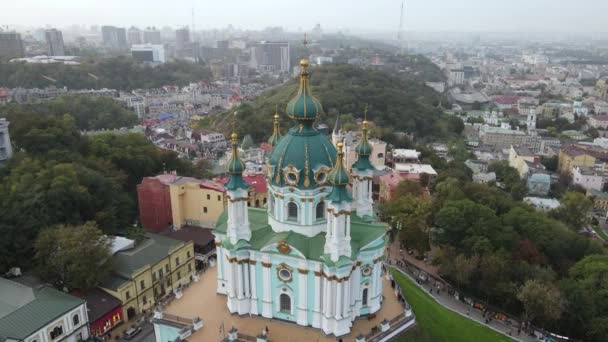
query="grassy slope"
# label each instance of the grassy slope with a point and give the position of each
(436, 323)
(600, 232)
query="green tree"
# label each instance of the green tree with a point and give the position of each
(77, 257)
(409, 214)
(574, 210)
(550, 163)
(542, 302)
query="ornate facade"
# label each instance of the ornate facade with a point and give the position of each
(313, 255)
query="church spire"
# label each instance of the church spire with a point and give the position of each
(339, 178)
(363, 172)
(276, 131)
(235, 165)
(304, 107)
(363, 149)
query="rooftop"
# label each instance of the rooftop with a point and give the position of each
(362, 234)
(99, 303)
(415, 168)
(148, 252)
(25, 310)
(405, 153)
(200, 236)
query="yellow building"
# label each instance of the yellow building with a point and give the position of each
(571, 156)
(600, 199)
(196, 202)
(148, 271)
(521, 158)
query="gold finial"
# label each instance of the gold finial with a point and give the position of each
(305, 42)
(340, 147)
(276, 113)
(365, 117)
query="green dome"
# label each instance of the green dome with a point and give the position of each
(364, 150)
(276, 132)
(339, 178)
(235, 164)
(339, 175)
(304, 155)
(304, 106)
(235, 168)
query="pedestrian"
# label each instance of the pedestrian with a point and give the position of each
(267, 330)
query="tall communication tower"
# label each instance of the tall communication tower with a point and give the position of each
(193, 27)
(400, 33)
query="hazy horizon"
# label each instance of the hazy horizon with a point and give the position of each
(372, 16)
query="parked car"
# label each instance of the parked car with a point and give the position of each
(132, 332)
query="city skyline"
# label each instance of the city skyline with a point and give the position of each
(379, 16)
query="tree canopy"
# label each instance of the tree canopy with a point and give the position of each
(58, 176)
(76, 257)
(89, 113)
(403, 104)
(120, 73)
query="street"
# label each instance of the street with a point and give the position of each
(146, 334)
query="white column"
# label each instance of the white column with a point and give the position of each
(327, 298)
(266, 299)
(338, 311)
(346, 301)
(246, 280)
(316, 315)
(239, 280)
(254, 289)
(302, 299)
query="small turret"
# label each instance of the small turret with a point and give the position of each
(339, 178)
(337, 239)
(235, 167)
(276, 131)
(363, 172)
(364, 150)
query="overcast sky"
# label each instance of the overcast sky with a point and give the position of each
(358, 15)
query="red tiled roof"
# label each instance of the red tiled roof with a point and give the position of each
(507, 99)
(212, 185)
(257, 182)
(266, 147)
(603, 117)
(393, 179)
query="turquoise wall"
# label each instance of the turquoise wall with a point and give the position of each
(167, 333)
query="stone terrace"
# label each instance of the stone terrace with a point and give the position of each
(200, 299)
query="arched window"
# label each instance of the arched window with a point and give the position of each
(257, 203)
(292, 211)
(364, 298)
(76, 320)
(320, 210)
(285, 303)
(380, 155)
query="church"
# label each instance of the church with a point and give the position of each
(314, 255)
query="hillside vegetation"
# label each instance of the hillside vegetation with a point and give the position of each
(394, 102)
(121, 73)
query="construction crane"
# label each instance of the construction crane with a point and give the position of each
(400, 32)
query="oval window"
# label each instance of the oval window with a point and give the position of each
(284, 274)
(321, 177)
(366, 271)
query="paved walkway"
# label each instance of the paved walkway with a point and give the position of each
(200, 299)
(448, 301)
